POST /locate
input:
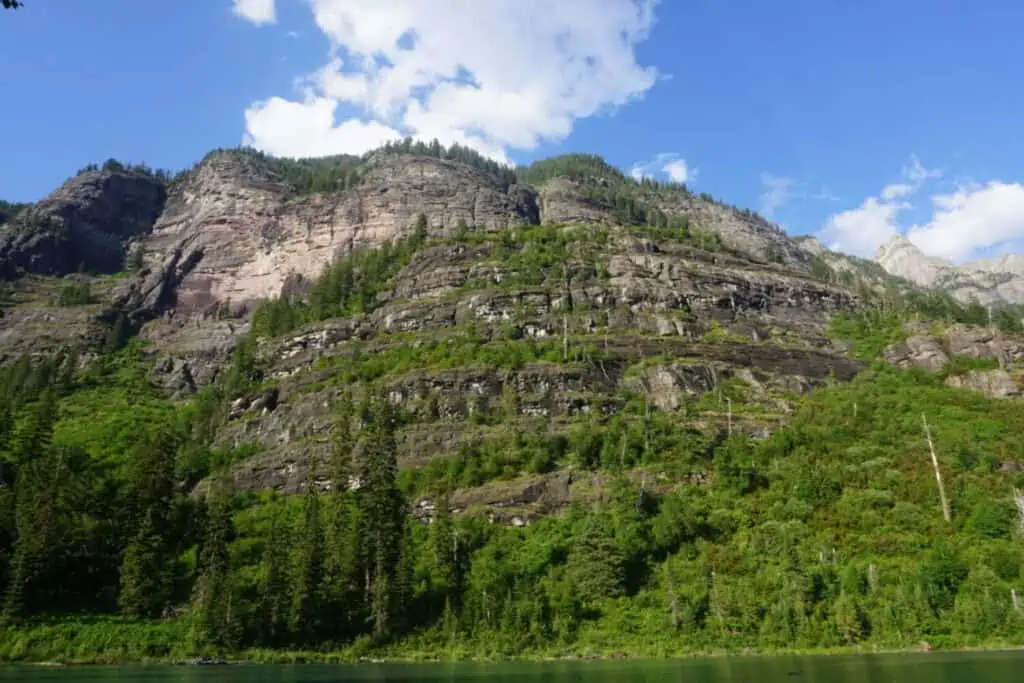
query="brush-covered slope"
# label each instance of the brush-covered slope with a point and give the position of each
(418, 404)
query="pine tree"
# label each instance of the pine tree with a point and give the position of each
(45, 498)
(340, 560)
(383, 510)
(146, 571)
(211, 592)
(33, 500)
(118, 334)
(442, 536)
(309, 568)
(274, 587)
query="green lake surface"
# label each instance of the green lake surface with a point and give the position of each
(996, 667)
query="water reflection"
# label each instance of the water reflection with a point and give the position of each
(905, 668)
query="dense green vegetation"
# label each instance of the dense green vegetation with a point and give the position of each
(121, 537)
(631, 201)
(344, 171)
(115, 166)
(75, 294)
(827, 534)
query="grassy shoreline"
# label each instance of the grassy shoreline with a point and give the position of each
(124, 642)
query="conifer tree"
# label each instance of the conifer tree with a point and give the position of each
(32, 499)
(274, 587)
(442, 536)
(341, 556)
(147, 570)
(50, 490)
(210, 597)
(309, 567)
(383, 516)
(118, 334)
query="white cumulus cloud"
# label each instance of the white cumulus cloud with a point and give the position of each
(671, 166)
(495, 76)
(972, 220)
(862, 230)
(306, 129)
(257, 11)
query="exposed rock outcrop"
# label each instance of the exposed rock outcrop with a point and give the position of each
(987, 281)
(934, 352)
(87, 223)
(232, 233)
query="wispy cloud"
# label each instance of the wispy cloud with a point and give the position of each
(258, 12)
(777, 192)
(669, 165)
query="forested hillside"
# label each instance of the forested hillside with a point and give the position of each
(756, 509)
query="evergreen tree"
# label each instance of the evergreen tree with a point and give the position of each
(274, 587)
(309, 568)
(212, 590)
(442, 536)
(595, 565)
(118, 334)
(147, 569)
(341, 556)
(51, 492)
(383, 511)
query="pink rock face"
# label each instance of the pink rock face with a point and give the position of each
(243, 233)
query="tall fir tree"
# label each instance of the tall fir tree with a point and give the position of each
(442, 538)
(212, 590)
(383, 515)
(274, 594)
(35, 489)
(147, 576)
(340, 541)
(309, 568)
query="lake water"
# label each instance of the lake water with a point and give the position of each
(908, 668)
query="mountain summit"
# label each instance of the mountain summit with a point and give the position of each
(987, 281)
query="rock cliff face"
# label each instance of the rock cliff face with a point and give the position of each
(234, 234)
(994, 362)
(664, 321)
(522, 311)
(987, 281)
(88, 223)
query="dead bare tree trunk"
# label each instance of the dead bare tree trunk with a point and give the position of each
(1017, 606)
(647, 432)
(673, 600)
(938, 473)
(729, 415)
(1018, 498)
(565, 337)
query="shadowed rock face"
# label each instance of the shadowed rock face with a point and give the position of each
(87, 224)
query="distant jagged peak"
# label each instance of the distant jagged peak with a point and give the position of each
(901, 257)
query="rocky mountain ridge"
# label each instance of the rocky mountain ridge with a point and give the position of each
(987, 281)
(531, 302)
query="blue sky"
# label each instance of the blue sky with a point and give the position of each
(850, 119)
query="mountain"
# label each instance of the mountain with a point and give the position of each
(987, 281)
(415, 401)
